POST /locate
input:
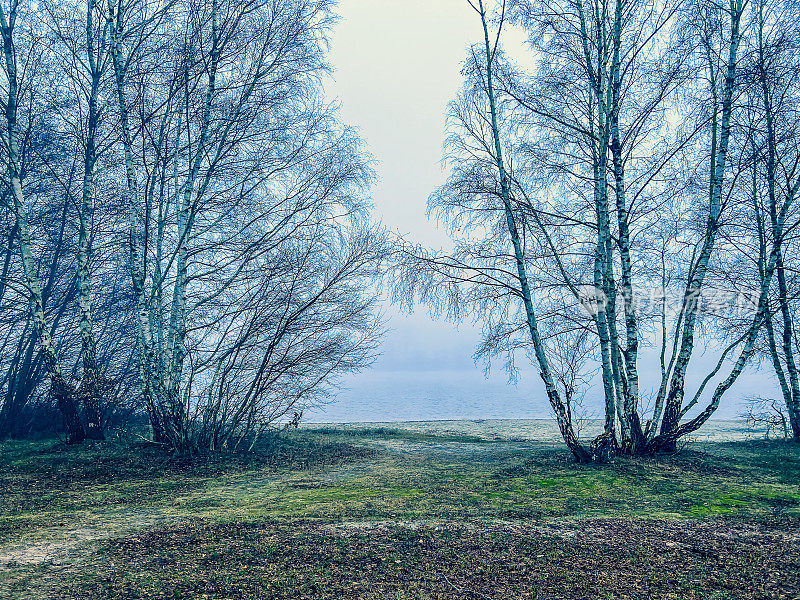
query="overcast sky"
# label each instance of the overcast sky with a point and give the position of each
(397, 65)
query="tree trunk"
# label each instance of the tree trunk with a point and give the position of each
(674, 399)
(65, 399)
(573, 444)
(629, 417)
(93, 384)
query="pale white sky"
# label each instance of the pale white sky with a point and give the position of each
(397, 65)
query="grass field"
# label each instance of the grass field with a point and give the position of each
(384, 512)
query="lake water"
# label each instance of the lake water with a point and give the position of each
(419, 395)
(432, 395)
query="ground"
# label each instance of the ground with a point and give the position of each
(388, 513)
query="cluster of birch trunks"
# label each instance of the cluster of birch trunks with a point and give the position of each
(630, 146)
(185, 221)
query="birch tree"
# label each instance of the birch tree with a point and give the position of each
(488, 272)
(78, 35)
(59, 209)
(636, 65)
(57, 134)
(622, 135)
(773, 98)
(250, 245)
(20, 54)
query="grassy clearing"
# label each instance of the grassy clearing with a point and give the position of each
(318, 515)
(529, 483)
(46, 484)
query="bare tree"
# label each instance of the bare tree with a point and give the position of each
(596, 193)
(478, 199)
(251, 251)
(766, 414)
(772, 185)
(21, 52)
(57, 138)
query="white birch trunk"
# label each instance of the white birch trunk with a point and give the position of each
(562, 417)
(63, 392)
(91, 387)
(674, 399)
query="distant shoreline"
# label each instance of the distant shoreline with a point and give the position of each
(529, 430)
(465, 419)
